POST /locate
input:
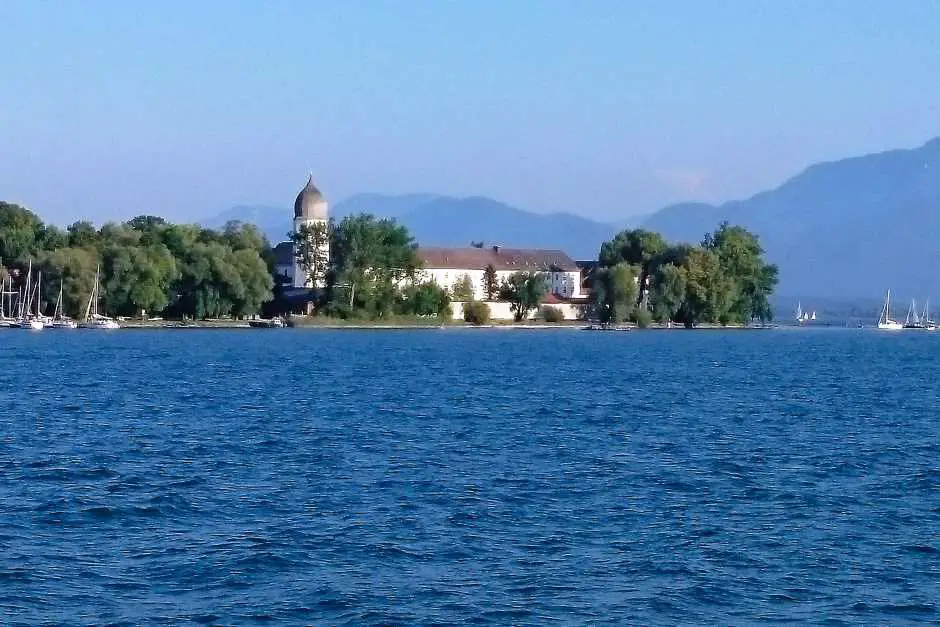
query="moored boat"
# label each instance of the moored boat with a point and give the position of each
(266, 323)
(885, 322)
(92, 319)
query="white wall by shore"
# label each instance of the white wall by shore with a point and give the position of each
(500, 310)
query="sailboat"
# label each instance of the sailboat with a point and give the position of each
(92, 319)
(26, 319)
(59, 320)
(802, 317)
(929, 324)
(913, 320)
(884, 320)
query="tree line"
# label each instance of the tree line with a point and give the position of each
(723, 280)
(146, 265)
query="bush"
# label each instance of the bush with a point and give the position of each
(642, 317)
(553, 314)
(476, 312)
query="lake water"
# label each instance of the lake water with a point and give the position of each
(454, 476)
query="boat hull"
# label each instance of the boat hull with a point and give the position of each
(102, 325)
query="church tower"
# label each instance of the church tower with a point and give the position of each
(310, 208)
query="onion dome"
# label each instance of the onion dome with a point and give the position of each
(310, 203)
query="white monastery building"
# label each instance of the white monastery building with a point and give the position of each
(449, 266)
(444, 266)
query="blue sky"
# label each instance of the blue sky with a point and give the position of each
(602, 108)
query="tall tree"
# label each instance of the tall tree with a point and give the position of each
(462, 291)
(371, 258)
(740, 256)
(311, 249)
(668, 294)
(490, 282)
(635, 247)
(615, 292)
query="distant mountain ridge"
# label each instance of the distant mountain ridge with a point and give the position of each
(437, 220)
(847, 229)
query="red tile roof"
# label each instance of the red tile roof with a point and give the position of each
(521, 259)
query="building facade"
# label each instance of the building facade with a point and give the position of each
(449, 266)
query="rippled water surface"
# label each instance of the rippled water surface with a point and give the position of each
(453, 476)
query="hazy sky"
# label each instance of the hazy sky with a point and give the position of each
(606, 109)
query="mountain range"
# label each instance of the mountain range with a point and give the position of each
(447, 221)
(843, 229)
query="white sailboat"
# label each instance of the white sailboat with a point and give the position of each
(884, 320)
(26, 319)
(92, 319)
(802, 317)
(60, 320)
(913, 320)
(929, 324)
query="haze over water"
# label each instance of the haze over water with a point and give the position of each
(454, 476)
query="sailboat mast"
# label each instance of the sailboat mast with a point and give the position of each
(93, 297)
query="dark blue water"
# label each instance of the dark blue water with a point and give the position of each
(493, 477)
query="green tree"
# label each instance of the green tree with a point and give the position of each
(371, 258)
(524, 291)
(636, 247)
(74, 270)
(741, 258)
(668, 294)
(19, 229)
(243, 236)
(615, 292)
(641, 316)
(137, 278)
(49, 237)
(709, 290)
(462, 291)
(553, 314)
(476, 312)
(425, 299)
(490, 282)
(254, 285)
(82, 234)
(311, 249)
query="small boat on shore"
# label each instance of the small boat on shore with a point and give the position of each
(266, 323)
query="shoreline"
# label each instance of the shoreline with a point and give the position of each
(417, 326)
